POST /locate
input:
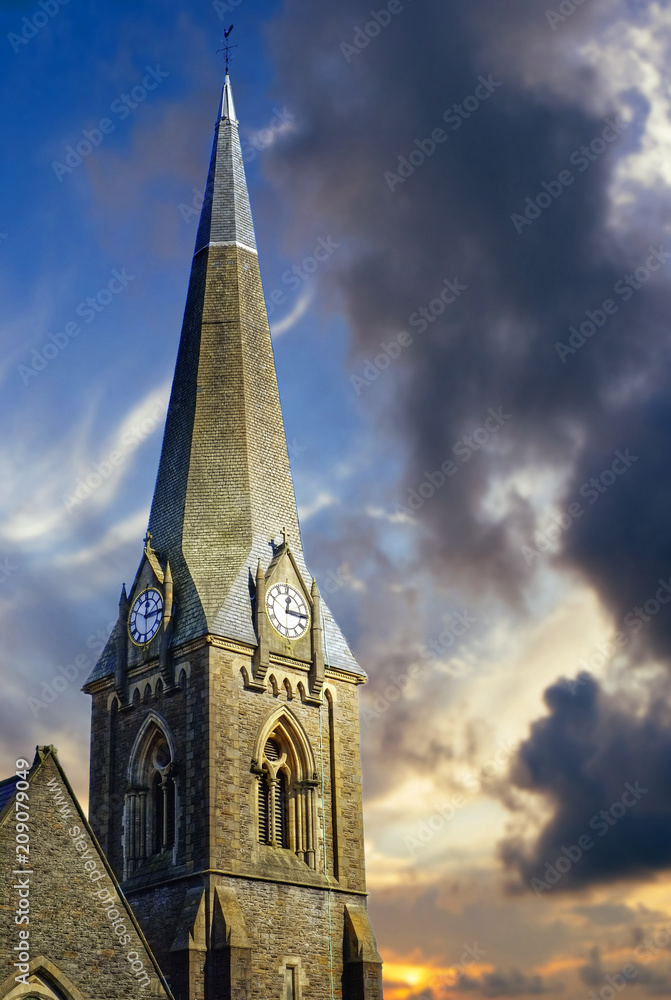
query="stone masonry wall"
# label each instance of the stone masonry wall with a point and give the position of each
(68, 923)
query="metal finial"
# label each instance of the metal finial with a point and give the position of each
(227, 47)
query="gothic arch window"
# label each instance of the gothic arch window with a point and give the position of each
(272, 793)
(286, 788)
(151, 802)
(45, 982)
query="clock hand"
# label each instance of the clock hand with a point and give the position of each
(296, 614)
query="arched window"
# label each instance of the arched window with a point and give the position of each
(45, 982)
(149, 816)
(286, 790)
(272, 793)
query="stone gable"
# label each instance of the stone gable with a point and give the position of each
(63, 915)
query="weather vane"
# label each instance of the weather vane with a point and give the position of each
(227, 47)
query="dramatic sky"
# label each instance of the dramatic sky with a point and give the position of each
(484, 480)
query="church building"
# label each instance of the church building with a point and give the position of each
(225, 782)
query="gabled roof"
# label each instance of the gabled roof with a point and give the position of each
(7, 789)
(54, 856)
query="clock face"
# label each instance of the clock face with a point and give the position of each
(145, 616)
(287, 611)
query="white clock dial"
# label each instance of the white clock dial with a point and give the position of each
(145, 616)
(287, 610)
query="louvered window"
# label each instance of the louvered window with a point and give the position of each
(163, 800)
(157, 795)
(285, 773)
(280, 789)
(264, 812)
(170, 815)
(273, 800)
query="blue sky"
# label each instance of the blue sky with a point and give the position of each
(487, 717)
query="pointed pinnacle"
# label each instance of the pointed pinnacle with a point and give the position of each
(227, 109)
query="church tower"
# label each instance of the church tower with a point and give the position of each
(225, 774)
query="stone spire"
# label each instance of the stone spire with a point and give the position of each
(224, 491)
(224, 486)
(226, 218)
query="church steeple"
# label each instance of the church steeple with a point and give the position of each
(227, 109)
(224, 497)
(226, 217)
(224, 486)
(225, 777)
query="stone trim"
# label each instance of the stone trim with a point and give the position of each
(226, 243)
(129, 890)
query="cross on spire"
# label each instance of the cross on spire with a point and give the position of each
(227, 47)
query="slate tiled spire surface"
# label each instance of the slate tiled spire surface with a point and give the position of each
(224, 488)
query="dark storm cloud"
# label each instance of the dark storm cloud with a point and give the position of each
(606, 769)
(506, 984)
(607, 914)
(593, 973)
(462, 923)
(451, 218)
